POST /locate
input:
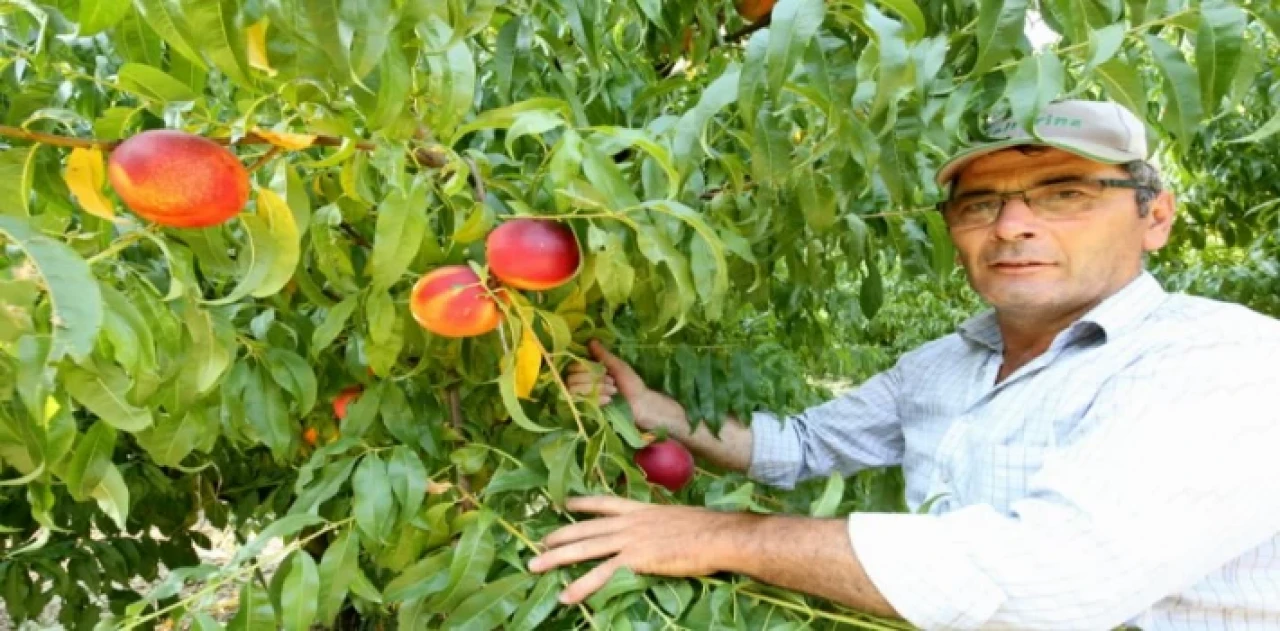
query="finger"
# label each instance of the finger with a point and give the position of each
(581, 381)
(603, 504)
(589, 583)
(628, 381)
(576, 552)
(588, 529)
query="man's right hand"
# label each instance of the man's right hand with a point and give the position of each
(650, 408)
(653, 409)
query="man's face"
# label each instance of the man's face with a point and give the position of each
(1027, 265)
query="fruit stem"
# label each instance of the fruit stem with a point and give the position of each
(454, 399)
(266, 157)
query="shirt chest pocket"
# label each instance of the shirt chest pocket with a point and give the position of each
(997, 474)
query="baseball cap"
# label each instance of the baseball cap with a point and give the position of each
(1098, 130)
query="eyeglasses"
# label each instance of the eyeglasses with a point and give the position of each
(1059, 200)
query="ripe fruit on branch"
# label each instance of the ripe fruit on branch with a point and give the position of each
(310, 436)
(666, 462)
(344, 399)
(450, 301)
(752, 10)
(535, 254)
(178, 179)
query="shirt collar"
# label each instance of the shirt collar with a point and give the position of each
(1122, 310)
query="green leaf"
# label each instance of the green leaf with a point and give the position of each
(623, 581)
(128, 332)
(1000, 24)
(871, 293)
(539, 603)
(1183, 105)
(102, 392)
(673, 596)
(154, 84)
(624, 424)
(335, 320)
(165, 17)
(112, 496)
(373, 506)
(1123, 84)
(911, 13)
(770, 151)
(1219, 41)
(1104, 43)
(408, 479)
(293, 374)
(471, 561)
(99, 15)
(451, 79)
(255, 612)
(214, 32)
(212, 343)
(267, 413)
(283, 228)
(825, 506)
(331, 480)
(175, 436)
(257, 258)
(17, 170)
(401, 227)
(614, 274)
(560, 457)
(504, 117)
(298, 594)
(793, 26)
(1262, 133)
(691, 128)
(136, 42)
(360, 586)
(424, 578)
(490, 606)
(76, 298)
(1035, 82)
(818, 201)
(90, 461)
(337, 569)
(282, 527)
(507, 389)
(620, 138)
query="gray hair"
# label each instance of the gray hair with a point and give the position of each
(1147, 177)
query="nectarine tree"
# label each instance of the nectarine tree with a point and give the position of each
(221, 220)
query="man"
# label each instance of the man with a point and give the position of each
(1105, 452)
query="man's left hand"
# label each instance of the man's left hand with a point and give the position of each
(647, 538)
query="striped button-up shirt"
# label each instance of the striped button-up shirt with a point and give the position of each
(1128, 475)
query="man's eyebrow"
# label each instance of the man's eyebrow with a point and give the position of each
(1053, 179)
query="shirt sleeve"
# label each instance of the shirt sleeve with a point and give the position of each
(858, 430)
(1175, 476)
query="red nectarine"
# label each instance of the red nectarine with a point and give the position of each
(178, 179)
(451, 302)
(344, 399)
(535, 254)
(666, 462)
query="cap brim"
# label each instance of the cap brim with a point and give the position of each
(1092, 151)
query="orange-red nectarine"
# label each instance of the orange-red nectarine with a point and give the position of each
(450, 301)
(535, 254)
(178, 179)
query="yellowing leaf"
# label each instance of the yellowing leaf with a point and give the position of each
(528, 362)
(255, 38)
(85, 175)
(286, 140)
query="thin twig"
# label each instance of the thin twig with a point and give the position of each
(454, 399)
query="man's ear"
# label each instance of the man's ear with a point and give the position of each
(1159, 221)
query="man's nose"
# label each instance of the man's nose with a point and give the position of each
(1015, 220)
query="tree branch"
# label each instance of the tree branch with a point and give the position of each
(748, 29)
(433, 157)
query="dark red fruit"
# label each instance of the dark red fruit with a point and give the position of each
(667, 463)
